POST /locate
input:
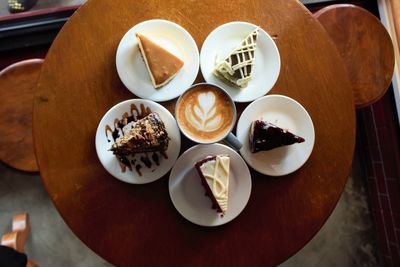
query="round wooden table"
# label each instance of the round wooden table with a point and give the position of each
(138, 224)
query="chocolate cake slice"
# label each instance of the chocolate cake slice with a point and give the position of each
(266, 136)
(214, 174)
(147, 135)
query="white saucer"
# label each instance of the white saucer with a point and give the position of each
(111, 163)
(221, 42)
(188, 194)
(285, 113)
(132, 69)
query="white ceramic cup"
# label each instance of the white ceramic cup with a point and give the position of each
(227, 136)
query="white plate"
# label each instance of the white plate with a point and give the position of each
(132, 69)
(111, 163)
(221, 42)
(285, 113)
(188, 194)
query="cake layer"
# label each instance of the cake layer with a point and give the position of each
(266, 136)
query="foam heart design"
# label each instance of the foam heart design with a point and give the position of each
(206, 102)
(204, 115)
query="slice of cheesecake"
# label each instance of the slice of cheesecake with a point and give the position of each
(266, 136)
(237, 67)
(161, 64)
(214, 173)
(146, 135)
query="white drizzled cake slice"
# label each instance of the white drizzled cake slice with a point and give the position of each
(237, 67)
(214, 173)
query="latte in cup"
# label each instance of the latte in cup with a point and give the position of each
(205, 113)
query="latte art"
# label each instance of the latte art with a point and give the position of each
(203, 113)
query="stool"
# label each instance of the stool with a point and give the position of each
(17, 85)
(366, 49)
(17, 238)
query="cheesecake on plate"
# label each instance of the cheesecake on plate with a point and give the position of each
(162, 65)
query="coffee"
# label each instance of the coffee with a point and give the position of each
(205, 113)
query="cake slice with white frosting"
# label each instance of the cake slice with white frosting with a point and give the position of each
(237, 67)
(214, 173)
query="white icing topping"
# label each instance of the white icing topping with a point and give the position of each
(245, 57)
(216, 173)
(203, 114)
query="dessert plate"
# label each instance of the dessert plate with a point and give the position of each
(220, 43)
(285, 113)
(143, 174)
(188, 194)
(132, 69)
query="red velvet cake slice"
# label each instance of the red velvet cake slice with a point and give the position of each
(214, 173)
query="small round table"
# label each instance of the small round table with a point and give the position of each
(138, 224)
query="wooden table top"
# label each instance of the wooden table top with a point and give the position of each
(138, 224)
(366, 49)
(18, 84)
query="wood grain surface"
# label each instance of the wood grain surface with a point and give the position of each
(17, 85)
(365, 47)
(138, 224)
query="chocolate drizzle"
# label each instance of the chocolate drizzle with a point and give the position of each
(164, 154)
(130, 161)
(147, 162)
(137, 168)
(144, 111)
(156, 159)
(124, 163)
(108, 129)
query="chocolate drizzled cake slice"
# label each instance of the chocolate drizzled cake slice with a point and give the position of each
(147, 135)
(238, 66)
(266, 136)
